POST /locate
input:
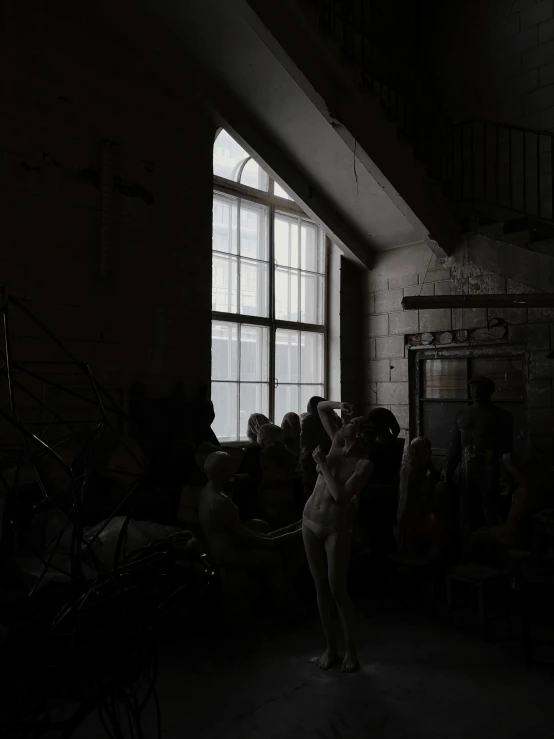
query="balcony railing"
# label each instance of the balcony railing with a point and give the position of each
(479, 164)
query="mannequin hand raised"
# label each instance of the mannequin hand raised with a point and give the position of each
(319, 455)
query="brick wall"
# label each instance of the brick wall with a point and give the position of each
(479, 266)
(121, 275)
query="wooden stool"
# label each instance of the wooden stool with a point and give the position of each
(481, 579)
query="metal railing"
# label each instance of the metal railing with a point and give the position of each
(478, 163)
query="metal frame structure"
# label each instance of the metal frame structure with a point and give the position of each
(275, 205)
(89, 643)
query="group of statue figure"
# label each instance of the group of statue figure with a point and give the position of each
(323, 483)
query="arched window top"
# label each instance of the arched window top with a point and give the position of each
(232, 162)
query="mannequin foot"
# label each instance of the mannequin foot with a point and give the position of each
(328, 659)
(350, 662)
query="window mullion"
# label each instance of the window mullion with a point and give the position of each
(239, 353)
(272, 331)
(238, 257)
(299, 274)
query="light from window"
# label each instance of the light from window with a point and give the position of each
(233, 163)
(240, 257)
(299, 293)
(278, 190)
(268, 290)
(240, 376)
(299, 369)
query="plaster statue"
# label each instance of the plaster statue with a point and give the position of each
(483, 432)
(233, 543)
(326, 529)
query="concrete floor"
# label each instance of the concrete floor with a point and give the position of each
(418, 679)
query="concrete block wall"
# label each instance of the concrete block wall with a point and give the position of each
(69, 83)
(388, 329)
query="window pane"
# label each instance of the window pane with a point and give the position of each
(311, 358)
(224, 351)
(253, 399)
(254, 354)
(286, 295)
(311, 297)
(286, 241)
(253, 230)
(278, 190)
(228, 156)
(224, 283)
(286, 356)
(505, 372)
(311, 248)
(307, 392)
(286, 401)
(224, 398)
(445, 378)
(224, 224)
(254, 288)
(254, 176)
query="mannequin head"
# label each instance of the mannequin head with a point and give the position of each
(313, 403)
(359, 430)
(218, 468)
(291, 426)
(420, 452)
(255, 422)
(385, 423)
(270, 434)
(481, 389)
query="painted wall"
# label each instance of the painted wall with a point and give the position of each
(71, 81)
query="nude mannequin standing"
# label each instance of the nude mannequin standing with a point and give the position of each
(326, 530)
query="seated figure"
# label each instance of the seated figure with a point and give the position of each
(234, 544)
(276, 497)
(491, 545)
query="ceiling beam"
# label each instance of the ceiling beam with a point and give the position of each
(432, 302)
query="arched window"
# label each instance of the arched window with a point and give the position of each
(268, 296)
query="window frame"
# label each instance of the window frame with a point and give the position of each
(464, 352)
(275, 205)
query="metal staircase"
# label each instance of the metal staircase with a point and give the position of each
(498, 177)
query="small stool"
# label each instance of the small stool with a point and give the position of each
(481, 579)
